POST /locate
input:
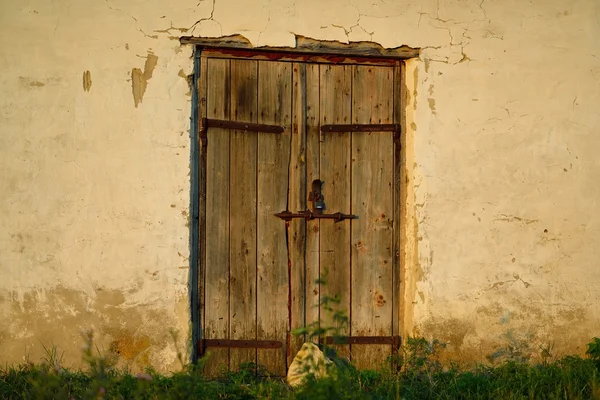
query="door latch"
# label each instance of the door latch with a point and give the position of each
(309, 215)
(318, 205)
(316, 197)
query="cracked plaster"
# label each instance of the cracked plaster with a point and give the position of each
(501, 165)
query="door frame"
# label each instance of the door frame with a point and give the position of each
(309, 51)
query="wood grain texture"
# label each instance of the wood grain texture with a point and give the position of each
(202, 100)
(242, 178)
(405, 312)
(297, 57)
(372, 182)
(305, 45)
(297, 201)
(274, 102)
(217, 216)
(334, 248)
(312, 173)
(258, 277)
(397, 202)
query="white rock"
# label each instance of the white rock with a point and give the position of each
(310, 360)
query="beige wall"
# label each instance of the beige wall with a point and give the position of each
(502, 216)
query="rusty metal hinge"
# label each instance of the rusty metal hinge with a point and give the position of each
(309, 215)
(246, 344)
(393, 340)
(237, 125)
(395, 128)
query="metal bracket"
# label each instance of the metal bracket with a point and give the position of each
(393, 340)
(309, 215)
(237, 125)
(363, 128)
(245, 344)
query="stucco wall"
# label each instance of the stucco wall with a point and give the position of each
(501, 210)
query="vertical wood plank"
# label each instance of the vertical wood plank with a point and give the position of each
(334, 249)
(297, 195)
(202, 101)
(312, 173)
(405, 305)
(274, 102)
(372, 182)
(242, 178)
(217, 215)
(397, 203)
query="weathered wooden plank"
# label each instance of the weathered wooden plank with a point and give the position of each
(372, 182)
(242, 126)
(202, 100)
(392, 340)
(353, 48)
(297, 201)
(360, 128)
(242, 209)
(217, 215)
(242, 344)
(296, 57)
(334, 248)
(406, 226)
(274, 102)
(312, 173)
(397, 203)
(305, 45)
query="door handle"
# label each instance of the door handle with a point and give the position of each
(309, 215)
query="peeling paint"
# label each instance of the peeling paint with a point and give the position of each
(171, 28)
(415, 83)
(139, 78)
(514, 242)
(130, 347)
(451, 331)
(30, 82)
(409, 232)
(87, 81)
(131, 335)
(513, 218)
(189, 80)
(431, 104)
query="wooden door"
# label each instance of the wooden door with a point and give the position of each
(269, 129)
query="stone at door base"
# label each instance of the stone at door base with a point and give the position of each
(310, 360)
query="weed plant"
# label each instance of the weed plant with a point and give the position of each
(415, 375)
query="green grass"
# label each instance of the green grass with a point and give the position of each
(421, 377)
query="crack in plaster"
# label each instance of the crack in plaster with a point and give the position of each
(452, 42)
(516, 277)
(483, 10)
(512, 218)
(210, 18)
(134, 18)
(349, 30)
(465, 26)
(168, 30)
(264, 28)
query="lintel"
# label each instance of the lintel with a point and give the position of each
(307, 46)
